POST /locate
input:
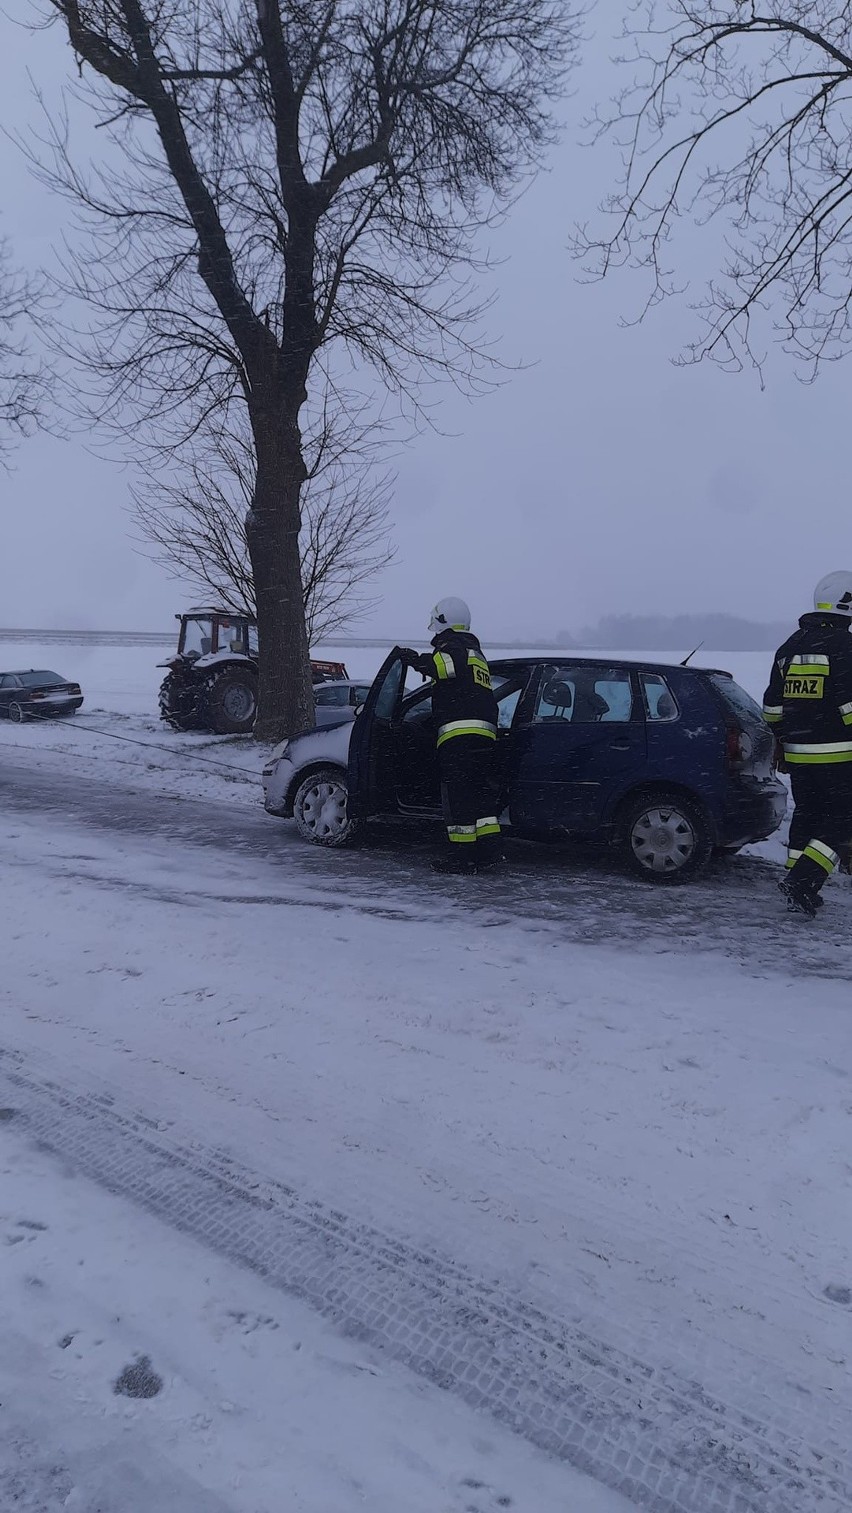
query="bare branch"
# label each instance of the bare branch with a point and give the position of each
(23, 380)
(194, 523)
(769, 92)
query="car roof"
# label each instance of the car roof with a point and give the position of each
(645, 664)
(344, 683)
(18, 672)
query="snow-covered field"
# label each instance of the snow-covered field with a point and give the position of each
(384, 1182)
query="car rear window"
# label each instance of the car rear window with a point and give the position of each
(332, 694)
(736, 698)
(37, 679)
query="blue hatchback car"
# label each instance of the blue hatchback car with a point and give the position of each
(669, 763)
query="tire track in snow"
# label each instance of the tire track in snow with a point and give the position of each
(657, 1438)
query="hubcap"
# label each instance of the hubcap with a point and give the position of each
(16, 713)
(238, 702)
(663, 840)
(324, 809)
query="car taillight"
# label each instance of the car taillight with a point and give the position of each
(739, 747)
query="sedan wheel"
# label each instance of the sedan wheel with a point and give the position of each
(16, 713)
(319, 809)
(667, 839)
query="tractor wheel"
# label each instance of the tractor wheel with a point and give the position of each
(230, 701)
(173, 707)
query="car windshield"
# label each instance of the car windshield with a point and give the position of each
(38, 679)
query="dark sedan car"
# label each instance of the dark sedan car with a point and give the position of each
(36, 694)
(668, 762)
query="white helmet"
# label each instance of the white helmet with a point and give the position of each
(834, 593)
(451, 614)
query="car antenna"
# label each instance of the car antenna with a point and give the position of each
(689, 658)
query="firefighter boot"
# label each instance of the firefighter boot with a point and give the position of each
(801, 898)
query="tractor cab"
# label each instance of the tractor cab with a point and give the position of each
(209, 632)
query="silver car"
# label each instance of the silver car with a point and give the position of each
(338, 700)
(318, 801)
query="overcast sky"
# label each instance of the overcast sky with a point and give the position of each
(602, 479)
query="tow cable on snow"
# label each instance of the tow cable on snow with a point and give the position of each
(151, 746)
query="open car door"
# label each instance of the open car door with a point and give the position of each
(371, 775)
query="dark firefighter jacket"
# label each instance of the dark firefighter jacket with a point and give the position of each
(809, 699)
(463, 703)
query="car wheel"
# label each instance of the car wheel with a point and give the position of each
(319, 809)
(16, 713)
(667, 837)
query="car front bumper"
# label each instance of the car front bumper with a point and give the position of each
(277, 783)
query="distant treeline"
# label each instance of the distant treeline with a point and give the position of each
(677, 633)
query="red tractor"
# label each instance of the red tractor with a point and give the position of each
(212, 681)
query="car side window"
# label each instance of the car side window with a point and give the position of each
(555, 697)
(660, 702)
(584, 695)
(385, 707)
(416, 713)
(615, 689)
(507, 703)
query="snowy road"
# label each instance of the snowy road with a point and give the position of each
(572, 895)
(573, 1148)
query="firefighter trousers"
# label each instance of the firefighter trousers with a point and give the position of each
(821, 827)
(469, 797)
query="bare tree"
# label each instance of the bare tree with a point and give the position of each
(22, 383)
(299, 178)
(195, 523)
(741, 112)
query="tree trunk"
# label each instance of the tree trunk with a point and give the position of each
(285, 696)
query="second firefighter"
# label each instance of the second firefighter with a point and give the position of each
(809, 704)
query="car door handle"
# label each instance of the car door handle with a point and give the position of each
(620, 746)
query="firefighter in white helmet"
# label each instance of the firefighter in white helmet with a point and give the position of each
(809, 705)
(464, 711)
